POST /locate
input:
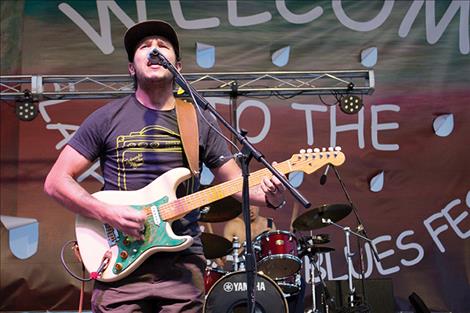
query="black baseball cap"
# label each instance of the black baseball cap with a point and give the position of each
(149, 28)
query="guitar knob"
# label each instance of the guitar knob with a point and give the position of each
(126, 241)
(124, 255)
(118, 267)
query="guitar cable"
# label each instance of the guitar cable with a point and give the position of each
(77, 254)
(83, 280)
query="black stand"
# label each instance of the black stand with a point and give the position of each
(353, 298)
(248, 152)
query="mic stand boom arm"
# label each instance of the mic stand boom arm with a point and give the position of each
(248, 152)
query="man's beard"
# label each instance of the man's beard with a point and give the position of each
(148, 83)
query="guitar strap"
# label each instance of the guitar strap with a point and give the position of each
(189, 132)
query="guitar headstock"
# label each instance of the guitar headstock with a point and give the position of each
(310, 160)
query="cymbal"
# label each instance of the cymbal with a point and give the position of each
(312, 219)
(315, 250)
(221, 210)
(315, 239)
(215, 246)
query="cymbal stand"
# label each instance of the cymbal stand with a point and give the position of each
(312, 282)
(235, 247)
(313, 266)
(352, 305)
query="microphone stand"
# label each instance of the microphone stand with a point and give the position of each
(248, 152)
(360, 229)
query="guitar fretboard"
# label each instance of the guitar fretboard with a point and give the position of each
(182, 206)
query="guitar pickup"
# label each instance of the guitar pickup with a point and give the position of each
(156, 215)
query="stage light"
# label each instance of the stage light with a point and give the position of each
(351, 104)
(348, 103)
(26, 109)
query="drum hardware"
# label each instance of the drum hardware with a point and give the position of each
(309, 249)
(291, 285)
(354, 303)
(235, 248)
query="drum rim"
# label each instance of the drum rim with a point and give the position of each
(281, 292)
(277, 231)
(216, 269)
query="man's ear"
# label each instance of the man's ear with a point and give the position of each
(131, 69)
(179, 65)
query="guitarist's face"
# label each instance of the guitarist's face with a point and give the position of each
(147, 73)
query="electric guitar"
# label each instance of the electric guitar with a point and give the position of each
(110, 255)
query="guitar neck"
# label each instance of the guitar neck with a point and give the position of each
(184, 205)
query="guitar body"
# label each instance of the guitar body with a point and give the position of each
(95, 239)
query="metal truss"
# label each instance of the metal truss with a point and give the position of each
(283, 84)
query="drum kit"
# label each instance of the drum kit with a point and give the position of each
(278, 255)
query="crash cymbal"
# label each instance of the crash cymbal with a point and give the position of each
(221, 211)
(312, 219)
(215, 246)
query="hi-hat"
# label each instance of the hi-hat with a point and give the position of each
(314, 250)
(215, 246)
(313, 218)
(221, 211)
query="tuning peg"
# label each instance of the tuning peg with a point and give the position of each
(337, 148)
(316, 150)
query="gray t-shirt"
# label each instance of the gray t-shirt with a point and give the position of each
(136, 145)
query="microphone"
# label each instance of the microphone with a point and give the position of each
(155, 57)
(323, 176)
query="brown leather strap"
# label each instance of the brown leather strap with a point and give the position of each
(188, 126)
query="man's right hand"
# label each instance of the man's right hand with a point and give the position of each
(127, 219)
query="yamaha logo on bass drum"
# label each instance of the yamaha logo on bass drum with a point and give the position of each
(241, 286)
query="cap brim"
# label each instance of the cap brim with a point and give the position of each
(139, 31)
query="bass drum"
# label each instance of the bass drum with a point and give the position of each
(228, 295)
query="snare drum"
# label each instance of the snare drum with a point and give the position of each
(211, 276)
(290, 285)
(277, 254)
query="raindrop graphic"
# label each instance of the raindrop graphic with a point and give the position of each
(377, 182)
(296, 178)
(23, 235)
(205, 55)
(281, 56)
(206, 176)
(369, 57)
(443, 125)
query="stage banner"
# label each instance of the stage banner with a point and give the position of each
(407, 168)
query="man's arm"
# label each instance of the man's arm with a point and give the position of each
(61, 185)
(270, 190)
